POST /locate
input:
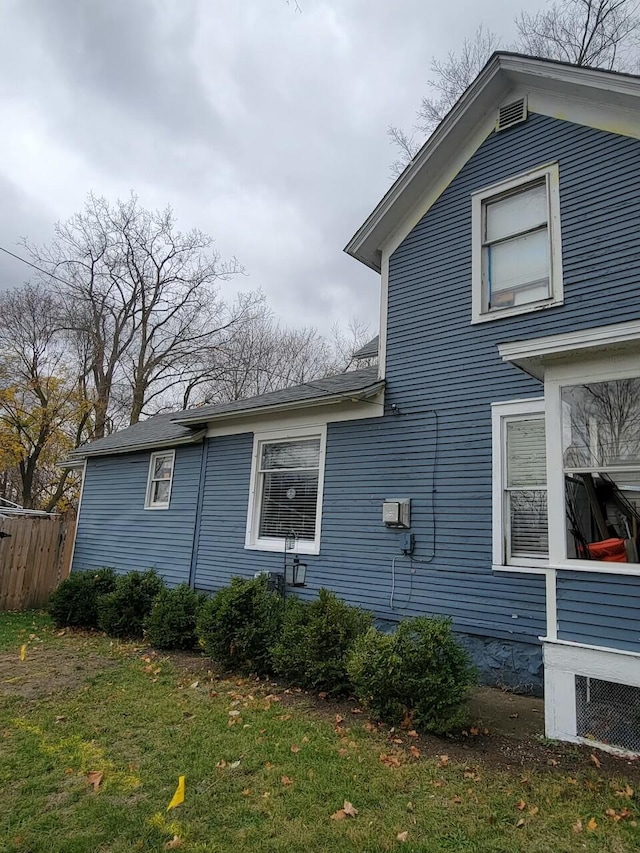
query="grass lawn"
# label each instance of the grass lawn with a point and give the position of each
(265, 769)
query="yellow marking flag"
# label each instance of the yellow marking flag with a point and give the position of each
(178, 797)
(23, 651)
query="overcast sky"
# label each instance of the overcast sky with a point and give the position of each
(262, 125)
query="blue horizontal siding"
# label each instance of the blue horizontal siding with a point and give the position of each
(599, 609)
(437, 359)
(114, 529)
(367, 461)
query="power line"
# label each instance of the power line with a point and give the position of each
(33, 266)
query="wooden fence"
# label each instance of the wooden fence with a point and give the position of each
(34, 558)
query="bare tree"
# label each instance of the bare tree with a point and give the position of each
(141, 303)
(597, 33)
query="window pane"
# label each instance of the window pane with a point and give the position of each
(160, 492)
(603, 516)
(289, 504)
(516, 213)
(521, 264)
(601, 424)
(162, 468)
(528, 518)
(291, 454)
(526, 453)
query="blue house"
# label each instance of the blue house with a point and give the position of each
(488, 469)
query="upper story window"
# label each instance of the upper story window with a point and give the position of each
(286, 492)
(517, 256)
(160, 479)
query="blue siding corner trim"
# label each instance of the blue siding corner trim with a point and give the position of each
(114, 529)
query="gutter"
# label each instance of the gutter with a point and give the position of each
(77, 461)
(354, 397)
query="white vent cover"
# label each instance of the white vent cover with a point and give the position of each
(512, 113)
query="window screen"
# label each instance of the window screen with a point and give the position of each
(526, 488)
(289, 489)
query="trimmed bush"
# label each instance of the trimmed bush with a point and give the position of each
(240, 623)
(420, 669)
(75, 602)
(172, 621)
(315, 641)
(123, 612)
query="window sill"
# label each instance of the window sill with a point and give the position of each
(521, 570)
(310, 548)
(593, 567)
(515, 311)
(163, 506)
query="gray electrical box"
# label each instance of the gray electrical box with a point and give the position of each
(396, 512)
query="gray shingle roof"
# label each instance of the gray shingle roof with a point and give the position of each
(182, 427)
(356, 382)
(369, 350)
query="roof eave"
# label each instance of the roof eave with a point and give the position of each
(76, 460)
(358, 396)
(503, 71)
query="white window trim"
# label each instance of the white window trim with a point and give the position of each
(551, 174)
(578, 372)
(252, 541)
(500, 413)
(148, 504)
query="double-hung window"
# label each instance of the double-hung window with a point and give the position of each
(286, 494)
(520, 518)
(160, 480)
(517, 262)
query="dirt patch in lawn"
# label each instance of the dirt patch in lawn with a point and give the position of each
(46, 671)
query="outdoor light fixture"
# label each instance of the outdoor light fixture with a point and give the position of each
(295, 573)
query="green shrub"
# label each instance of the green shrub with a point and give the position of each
(240, 623)
(75, 602)
(420, 669)
(315, 641)
(123, 612)
(172, 621)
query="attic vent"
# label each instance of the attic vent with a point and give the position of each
(608, 712)
(511, 114)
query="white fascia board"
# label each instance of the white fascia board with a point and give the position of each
(330, 399)
(596, 98)
(532, 355)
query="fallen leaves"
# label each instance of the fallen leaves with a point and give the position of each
(347, 810)
(592, 824)
(443, 761)
(174, 843)
(402, 836)
(178, 797)
(94, 778)
(295, 748)
(626, 792)
(521, 806)
(390, 760)
(595, 760)
(23, 651)
(415, 752)
(286, 781)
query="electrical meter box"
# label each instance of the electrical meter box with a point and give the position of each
(396, 512)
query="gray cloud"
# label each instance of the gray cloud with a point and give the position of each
(260, 125)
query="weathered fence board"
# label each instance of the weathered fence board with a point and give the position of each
(34, 558)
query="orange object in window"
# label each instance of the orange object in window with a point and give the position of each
(608, 551)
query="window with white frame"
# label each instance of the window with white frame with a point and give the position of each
(600, 427)
(160, 479)
(520, 517)
(286, 493)
(517, 257)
